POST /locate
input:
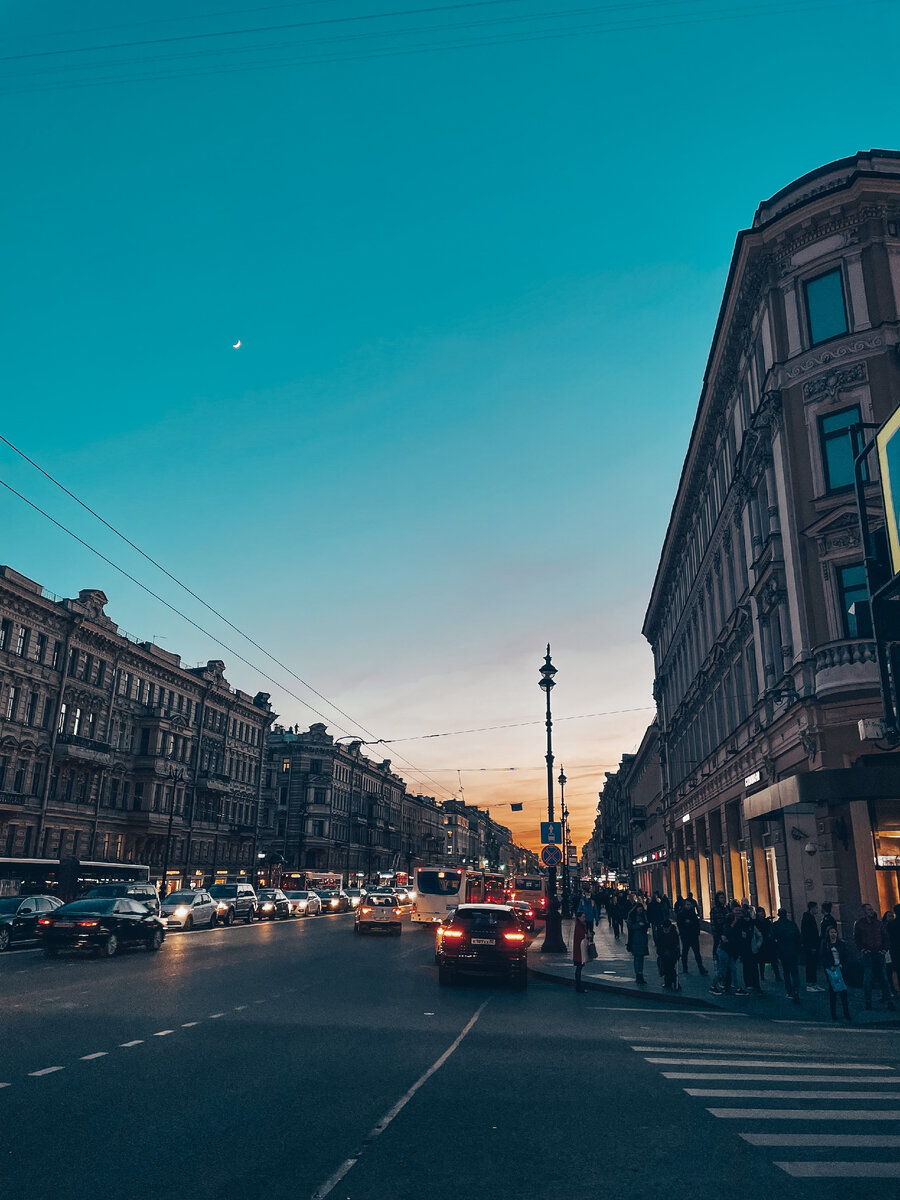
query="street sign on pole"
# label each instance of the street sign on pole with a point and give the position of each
(551, 831)
(888, 444)
(551, 856)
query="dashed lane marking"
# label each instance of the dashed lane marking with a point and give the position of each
(136, 1042)
(239, 1007)
(164, 1033)
(189, 1024)
(96, 1054)
(215, 1016)
(815, 1141)
(806, 1114)
(45, 1071)
(840, 1170)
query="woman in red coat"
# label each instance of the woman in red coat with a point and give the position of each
(579, 950)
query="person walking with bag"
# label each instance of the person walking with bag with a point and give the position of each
(638, 929)
(579, 949)
(834, 959)
(871, 941)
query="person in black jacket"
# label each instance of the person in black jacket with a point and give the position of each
(667, 948)
(834, 960)
(789, 943)
(718, 916)
(689, 930)
(809, 932)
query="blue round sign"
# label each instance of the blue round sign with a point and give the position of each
(551, 856)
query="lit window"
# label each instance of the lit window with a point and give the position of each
(825, 307)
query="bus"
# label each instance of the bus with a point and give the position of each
(441, 889)
(533, 889)
(66, 878)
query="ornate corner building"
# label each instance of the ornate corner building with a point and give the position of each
(758, 617)
(111, 750)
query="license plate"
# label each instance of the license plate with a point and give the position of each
(63, 924)
(483, 941)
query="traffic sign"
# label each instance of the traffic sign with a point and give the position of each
(551, 831)
(551, 856)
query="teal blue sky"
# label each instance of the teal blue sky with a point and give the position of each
(475, 289)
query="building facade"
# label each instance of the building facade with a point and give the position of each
(642, 783)
(758, 620)
(111, 750)
(327, 807)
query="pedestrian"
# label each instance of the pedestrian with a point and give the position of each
(587, 911)
(788, 943)
(655, 913)
(619, 914)
(892, 928)
(725, 964)
(834, 960)
(688, 920)
(717, 917)
(828, 921)
(667, 948)
(872, 943)
(638, 943)
(750, 941)
(809, 932)
(579, 948)
(768, 951)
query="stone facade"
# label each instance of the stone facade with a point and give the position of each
(111, 750)
(763, 658)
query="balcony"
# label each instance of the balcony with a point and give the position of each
(70, 745)
(845, 665)
(213, 781)
(19, 800)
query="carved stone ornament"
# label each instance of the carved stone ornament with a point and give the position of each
(829, 385)
(812, 362)
(809, 742)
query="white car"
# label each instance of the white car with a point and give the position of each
(379, 911)
(304, 904)
(189, 910)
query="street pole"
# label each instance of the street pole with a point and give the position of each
(176, 775)
(553, 938)
(566, 883)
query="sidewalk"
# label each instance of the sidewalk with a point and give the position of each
(613, 971)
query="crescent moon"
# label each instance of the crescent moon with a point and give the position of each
(237, 345)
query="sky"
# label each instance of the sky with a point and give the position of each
(474, 254)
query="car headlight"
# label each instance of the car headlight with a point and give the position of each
(221, 907)
(181, 912)
(268, 906)
(335, 903)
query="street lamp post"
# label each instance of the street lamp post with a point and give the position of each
(176, 774)
(553, 938)
(566, 901)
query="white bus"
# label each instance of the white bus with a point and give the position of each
(440, 889)
(533, 889)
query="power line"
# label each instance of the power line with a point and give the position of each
(421, 737)
(195, 625)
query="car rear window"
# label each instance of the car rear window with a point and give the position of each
(381, 901)
(223, 891)
(481, 919)
(85, 906)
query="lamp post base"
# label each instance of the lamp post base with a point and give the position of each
(553, 939)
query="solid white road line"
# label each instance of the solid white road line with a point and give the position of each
(741, 1077)
(808, 1066)
(45, 1071)
(239, 1007)
(841, 1170)
(729, 1051)
(862, 1141)
(136, 1042)
(98, 1054)
(330, 1184)
(3, 1085)
(773, 1094)
(806, 1114)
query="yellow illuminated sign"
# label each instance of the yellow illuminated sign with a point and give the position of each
(888, 443)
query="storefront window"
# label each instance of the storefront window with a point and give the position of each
(886, 831)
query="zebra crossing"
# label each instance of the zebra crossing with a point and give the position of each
(829, 1095)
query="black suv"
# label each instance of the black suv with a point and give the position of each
(234, 901)
(482, 939)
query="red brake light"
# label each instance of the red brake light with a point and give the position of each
(514, 937)
(530, 912)
(44, 921)
(366, 910)
(398, 912)
(450, 933)
(87, 924)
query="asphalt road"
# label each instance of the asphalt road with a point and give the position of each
(296, 1060)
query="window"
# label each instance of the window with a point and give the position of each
(11, 703)
(5, 633)
(40, 647)
(101, 672)
(315, 766)
(77, 725)
(57, 655)
(839, 448)
(825, 307)
(32, 709)
(22, 641)
(285, 764)
(855, 594)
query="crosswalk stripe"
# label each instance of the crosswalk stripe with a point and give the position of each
(731, 1062)
(841, 1170)
(742, 1076)
(836, 1141)
(806, 1114)
(730, 1051)
(779, 1094)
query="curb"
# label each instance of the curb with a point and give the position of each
(618, 989)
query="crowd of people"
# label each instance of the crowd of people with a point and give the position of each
(746, 942)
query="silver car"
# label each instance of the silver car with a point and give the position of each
(304, 904)
(189, 910)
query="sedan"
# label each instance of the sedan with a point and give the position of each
(304, 904)
(185, 910)
(103, 925)
(272, 903)
(19, 916)
(524, 912)
(334, 902)
(482, 939)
